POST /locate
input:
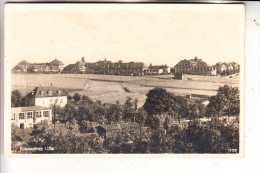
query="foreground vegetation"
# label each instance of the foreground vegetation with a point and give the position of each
(170, 124)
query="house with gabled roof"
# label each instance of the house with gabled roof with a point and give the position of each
(56, 65)
(48, 96)
(53, 66)
(22, 66)
(194, 66)
(131, 128)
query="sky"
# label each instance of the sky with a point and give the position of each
(149, 33)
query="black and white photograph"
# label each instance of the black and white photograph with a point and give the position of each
(124, 78)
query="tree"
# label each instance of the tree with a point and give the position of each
(15, 137)
(231, 99)
(57, 112)
(135, 104)
(196, 110)
(69, 97)
(118, 112)
(114, 113)
(158, 101)
(86, 99)
(16, 98)
(141, 147)
(179, 107)
(85, 127)
(76, 97)
(226, 101)
(41, 137)
(26, 101)
(141, 116)
(153, 122)
(99, 112)
(85, 113)
(128, 110)
(69, 113)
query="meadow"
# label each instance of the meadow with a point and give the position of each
(109, 88)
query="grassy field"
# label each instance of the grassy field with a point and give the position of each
(109, 88)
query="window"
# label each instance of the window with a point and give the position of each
(29, 115)
(22, 126)
(46, 113)
(50, 93)
(38, 114)
(41, 93)
(13, 116)
(56, 100)
(21, 116)
(132, 131)
(59, 92)
(61, 100)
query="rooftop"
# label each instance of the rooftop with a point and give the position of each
(24, 62)
(50, 91)
(56, 62)
(30, 108)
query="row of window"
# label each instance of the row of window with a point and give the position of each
(201, 68)
(30, 115)
(50, 92)
(56, 100)
(184, 64)
(195, 68)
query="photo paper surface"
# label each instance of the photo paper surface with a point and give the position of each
(146, 80)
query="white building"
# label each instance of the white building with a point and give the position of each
(26, 117)
(48, 96)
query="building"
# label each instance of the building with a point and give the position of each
(227, 68)
(106, 67)
(26, 117)
(71, 68)
(195, 67)
(180, 76)
(22, 66)
(221, 67)
(39, 67)
(158, 69)
(81, 66)
(204, 69)
(54, 66)
(48, 96)
(131, 128)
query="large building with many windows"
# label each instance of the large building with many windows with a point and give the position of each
(26, 117)
(54, 66)
(107, 67)
(227, 68)
(48, 96)
(194, 66)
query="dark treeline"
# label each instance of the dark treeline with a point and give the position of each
(162, 119)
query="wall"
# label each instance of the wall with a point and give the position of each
(31, 121)
(49, 101)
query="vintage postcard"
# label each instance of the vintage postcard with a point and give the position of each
(142, 79)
